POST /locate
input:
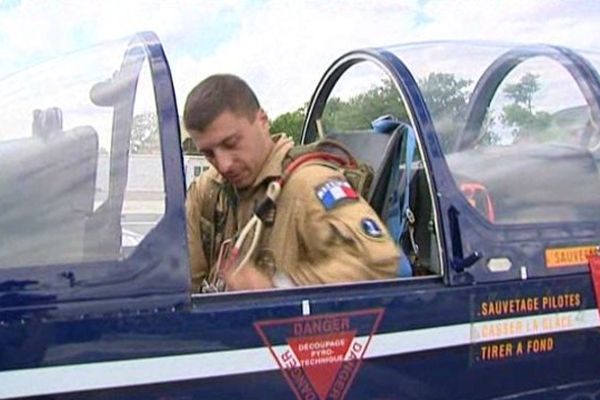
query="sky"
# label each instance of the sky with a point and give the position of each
(280, 47)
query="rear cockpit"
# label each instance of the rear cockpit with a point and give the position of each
(500, 142)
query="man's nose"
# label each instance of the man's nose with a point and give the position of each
(223, 162)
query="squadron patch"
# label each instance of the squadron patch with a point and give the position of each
(334, 192)
(371, 228)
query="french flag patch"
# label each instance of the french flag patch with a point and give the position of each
(334, 191)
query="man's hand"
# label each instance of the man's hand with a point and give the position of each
(247, 278)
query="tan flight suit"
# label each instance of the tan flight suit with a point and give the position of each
(308, 242)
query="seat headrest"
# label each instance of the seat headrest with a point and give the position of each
(367, 146)
(381, 151)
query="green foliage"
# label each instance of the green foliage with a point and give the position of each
(522, 92)
(446, 97)
(144, 134)
(290, 123)
(526, 123)
(358, 112)
(444, 93)
(516, 115)
(489, 137)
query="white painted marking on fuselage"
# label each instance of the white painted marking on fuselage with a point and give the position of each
(113, 374)
(305, 307)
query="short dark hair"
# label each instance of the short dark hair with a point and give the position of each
(213, 96)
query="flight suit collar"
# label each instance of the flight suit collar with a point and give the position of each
(272, 168)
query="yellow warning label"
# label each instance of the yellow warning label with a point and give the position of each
(568, 256)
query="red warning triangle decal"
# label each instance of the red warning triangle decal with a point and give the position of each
(320, 355)
(594, 263)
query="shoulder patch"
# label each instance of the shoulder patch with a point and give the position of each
(335, 191)
(371, 228)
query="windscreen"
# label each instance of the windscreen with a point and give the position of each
(80, 165)
(519, 126)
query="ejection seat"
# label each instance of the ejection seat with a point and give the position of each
(380, 152)
(382, 149)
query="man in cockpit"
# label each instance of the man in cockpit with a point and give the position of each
(314, 227)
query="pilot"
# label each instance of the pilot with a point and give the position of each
(317, 230)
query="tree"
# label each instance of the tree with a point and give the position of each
(520, 115)
(359, 110)
(290, 123)
(445, 94)
(354, 114)
(144, 134)
(522, 92)
(525, 123)
(488, 134)
(446, 97)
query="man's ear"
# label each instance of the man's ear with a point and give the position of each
(263, 119)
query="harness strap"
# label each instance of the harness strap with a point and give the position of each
(218, 202)
(265, 208)
(398, 218)
(407, 214)
(229, 254)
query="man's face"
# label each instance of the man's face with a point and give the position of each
(236, 146)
